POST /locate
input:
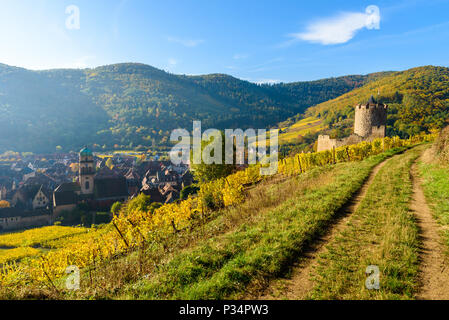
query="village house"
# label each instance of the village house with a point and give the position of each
(31, 197)
(30, 207)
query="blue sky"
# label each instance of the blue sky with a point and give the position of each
(255, 40)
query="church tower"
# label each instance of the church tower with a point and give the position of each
(87, 172)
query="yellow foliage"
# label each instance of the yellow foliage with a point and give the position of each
(74, 167)
(4, 204)
(132, 228)
(9, 255)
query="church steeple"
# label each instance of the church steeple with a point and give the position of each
(86, 171)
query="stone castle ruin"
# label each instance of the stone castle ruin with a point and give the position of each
(370, 123)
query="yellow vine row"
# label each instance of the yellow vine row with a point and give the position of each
(133, 228)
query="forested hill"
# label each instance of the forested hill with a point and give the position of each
(418, 101)
(127, 105)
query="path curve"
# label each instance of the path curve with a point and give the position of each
(434, 274)
(300, 284)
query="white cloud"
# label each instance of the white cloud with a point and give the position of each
(186, 42)
(172, 62)
(239, 56)
(340, 29)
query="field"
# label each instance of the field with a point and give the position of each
(293, 133)
(35, 242)
(301, 128)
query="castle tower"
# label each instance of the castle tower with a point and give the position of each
(371, 119)
(86, 171)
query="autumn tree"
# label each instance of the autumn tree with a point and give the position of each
(207, 172)
(4, 204)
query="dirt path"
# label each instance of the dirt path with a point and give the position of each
(434, 276)
(300, 283)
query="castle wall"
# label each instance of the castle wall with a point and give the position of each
(326, 143)
(378, 132)
(369, 124)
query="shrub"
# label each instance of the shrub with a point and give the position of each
(116, 207)
(102, 217)
(140, 203)
(189, 190)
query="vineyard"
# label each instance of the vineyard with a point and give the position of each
(134, 228)
(39, 236)
(305, 126)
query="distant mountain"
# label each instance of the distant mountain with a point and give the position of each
(127, 105)
(418, 101)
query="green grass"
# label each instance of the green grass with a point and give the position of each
(382, 232)
(224, 265)
(436, 189)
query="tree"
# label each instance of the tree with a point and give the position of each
(140, 203)
(189, 190)
(4, 204)
(109, 163)
(207, 172)
(74, 167)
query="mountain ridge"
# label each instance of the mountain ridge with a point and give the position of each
(130, 104)
(418, 100)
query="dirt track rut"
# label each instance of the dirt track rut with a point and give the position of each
(300, 284)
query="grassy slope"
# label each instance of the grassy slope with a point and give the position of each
(428, 80)
(434, 170)
(418, 100)
(436, 189)
(260, 248)
(381, 232)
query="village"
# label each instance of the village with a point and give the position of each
(36, 190)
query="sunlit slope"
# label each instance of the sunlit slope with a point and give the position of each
(418, 99)
(128, 105)
(305, 126)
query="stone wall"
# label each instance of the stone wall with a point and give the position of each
(17, 223)
(378, 132)
(369, 116)
(326, 143)
(369, 124)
